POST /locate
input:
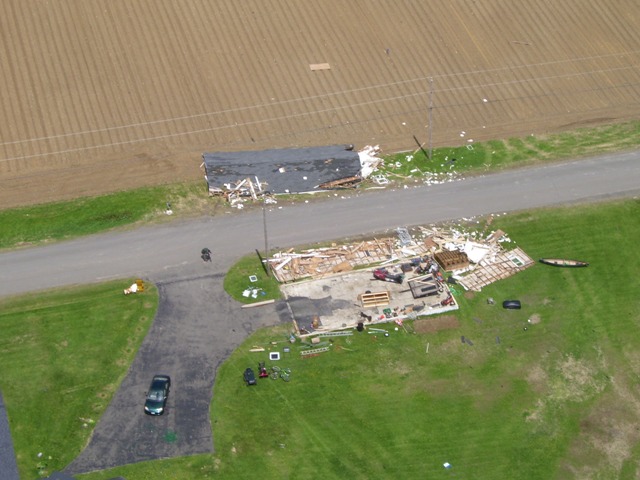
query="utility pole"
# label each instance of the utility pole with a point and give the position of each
(266, 242)
(430, 117)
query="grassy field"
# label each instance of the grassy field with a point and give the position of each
(63, 355)
(549, 391)
(64, 220)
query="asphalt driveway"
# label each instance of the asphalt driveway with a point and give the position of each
(196, 328)
(198, 325)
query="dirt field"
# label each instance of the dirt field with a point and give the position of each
(102, 95)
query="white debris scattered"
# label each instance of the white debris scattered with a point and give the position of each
(369, 160)
(380, 179)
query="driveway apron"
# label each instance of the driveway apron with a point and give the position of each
(196, 328)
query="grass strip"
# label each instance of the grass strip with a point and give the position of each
(64, 220)
(64, 353)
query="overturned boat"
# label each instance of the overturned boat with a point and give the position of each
(561, 262)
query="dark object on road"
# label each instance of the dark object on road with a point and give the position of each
(249, 377)
(157, 395)
(364, 315)
(512, 304)
(385, 276)
(559, 262)
(206, 254)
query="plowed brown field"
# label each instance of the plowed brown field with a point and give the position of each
(103, 95)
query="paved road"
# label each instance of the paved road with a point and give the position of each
(171, 251)
(8, 465)
(197, 325)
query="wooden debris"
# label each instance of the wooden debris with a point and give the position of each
(375, 299)
(342, 267)
(258, 304)
(441, 245)
(503, 266)
(452, 260)
(348, 182)
(495, 236)
(319, 66)
(245, 187)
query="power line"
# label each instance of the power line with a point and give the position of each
(420, 93)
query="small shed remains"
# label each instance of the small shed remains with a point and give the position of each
(280, 171)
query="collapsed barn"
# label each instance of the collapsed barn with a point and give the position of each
(281, 171)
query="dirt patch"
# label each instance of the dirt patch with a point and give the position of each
(534, 319)
(433, 325)
(102, 99)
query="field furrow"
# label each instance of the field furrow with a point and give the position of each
(115, 89)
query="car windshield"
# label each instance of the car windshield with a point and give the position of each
(155, 395)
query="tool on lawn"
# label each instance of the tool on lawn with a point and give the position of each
(314, 351)
(283, 373)
(379, 330)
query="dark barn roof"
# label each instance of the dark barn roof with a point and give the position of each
(291, 170)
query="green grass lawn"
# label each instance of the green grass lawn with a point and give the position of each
(63, 355)
(558, 400)
(249, 275)
(495, 155)
(64, 220)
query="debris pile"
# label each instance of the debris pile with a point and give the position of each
(473, 259)
(244, 188)
(316, 263)
(369, 161)
(488, 260)
(428, 177)
(136, 287)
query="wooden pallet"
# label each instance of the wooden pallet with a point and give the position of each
(375, 299)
